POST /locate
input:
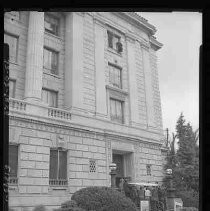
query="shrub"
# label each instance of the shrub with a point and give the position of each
(102, 199)
(39, 208)
(69, 206)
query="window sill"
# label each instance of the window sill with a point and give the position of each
(54, 36)
(51, 74)
(114, 51)
(117, 89)
(58, 187)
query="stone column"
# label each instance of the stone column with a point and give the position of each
(148, 85)
(34, 58)
(133, 91)
(101, 104)
(74, 60)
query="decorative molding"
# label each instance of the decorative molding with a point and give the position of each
(74, 131)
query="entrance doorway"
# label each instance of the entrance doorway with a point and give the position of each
(124, 162)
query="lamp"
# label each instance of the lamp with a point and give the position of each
(170, 189)
(113, 173)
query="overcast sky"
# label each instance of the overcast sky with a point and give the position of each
(178, 64)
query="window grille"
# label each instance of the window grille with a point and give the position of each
(92, 165)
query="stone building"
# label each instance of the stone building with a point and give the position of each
(83, 92)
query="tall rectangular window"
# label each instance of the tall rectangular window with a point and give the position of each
(115, 78)
(149, 170)
(51, 24)
(116, 110)
(13, 163)
(12, 88)
(50, 97)
(51, 60)
(12, 41)
(114, 41)
(58, 167)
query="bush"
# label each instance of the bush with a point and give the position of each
(39, 208)
(102, 199)
(69, 206)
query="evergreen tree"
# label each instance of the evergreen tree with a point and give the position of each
(185, 163)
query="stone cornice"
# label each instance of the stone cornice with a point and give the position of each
(140, 21)
(155, 44)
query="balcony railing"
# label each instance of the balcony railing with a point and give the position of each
(17, 104)
(57, 113)
(38, 109)
(58, 182)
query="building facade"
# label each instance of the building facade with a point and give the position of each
(83, 93)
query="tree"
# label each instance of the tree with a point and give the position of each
(185, 162)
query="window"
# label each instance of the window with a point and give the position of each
(50, 97)
(13, 164)
(116, 110)
(114, 42)
(149, 170)
(115, 76)
(58, 167)
(51, 24)
(12, 41)
(51, 60)
(92, 165)
(12, 88)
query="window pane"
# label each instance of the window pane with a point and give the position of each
(11, 88)
(52, 99)
(110, 39)
(12, 42)
(13, 160)
(115, 40)
(112, 110)
(53, 164)
(62, 165)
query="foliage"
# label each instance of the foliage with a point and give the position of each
(39, 208)
(103, 199)
(70, 205)
(185, 162)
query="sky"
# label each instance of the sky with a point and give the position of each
(178, 64)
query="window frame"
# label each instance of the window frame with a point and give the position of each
(56, 181)
(13, 180)
(52, 51)
(51, 16)
(115, 68)
(17, 44)
(50, 91)
(114, 118)
(111, 35)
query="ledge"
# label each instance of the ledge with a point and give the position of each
(121, 91)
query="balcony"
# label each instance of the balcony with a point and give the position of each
(58, 182)
(23, 107)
